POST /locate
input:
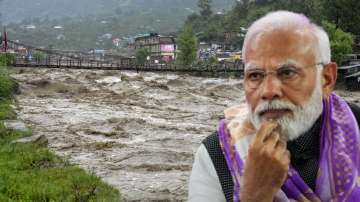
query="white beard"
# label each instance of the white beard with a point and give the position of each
(291, 127)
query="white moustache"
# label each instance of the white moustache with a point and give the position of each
(275, 105)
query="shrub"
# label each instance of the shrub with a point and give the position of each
(6, 112)
(6, 59)
(213, 60)
(141, 56)
(7, 84)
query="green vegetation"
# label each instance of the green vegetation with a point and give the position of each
(340, 41)
(187, 45)
(7, 59)
(39, 56)
(7, 85)
(205, 8)
(5, 110)
(213, 60)
(30, 172)
(120, 18)
(342, 14)
(141, 56)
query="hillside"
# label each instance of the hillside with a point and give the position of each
(115, 18)
(17, 10)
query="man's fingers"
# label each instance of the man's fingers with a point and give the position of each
(281, 149)
(286, 157)
(281, 145)
(272, 140)
(265, 130)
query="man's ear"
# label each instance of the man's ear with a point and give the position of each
(329, 76)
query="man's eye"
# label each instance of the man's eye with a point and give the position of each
(255, 76)
(287, 73)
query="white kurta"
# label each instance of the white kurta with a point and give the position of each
(204, 183)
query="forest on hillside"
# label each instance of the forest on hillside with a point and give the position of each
(89, 24)
(86, 24)
(209, 26)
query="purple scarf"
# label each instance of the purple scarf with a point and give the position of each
(338, 177)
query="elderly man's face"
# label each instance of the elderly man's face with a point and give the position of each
(280, 79)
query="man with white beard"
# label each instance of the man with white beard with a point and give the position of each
(299, 140)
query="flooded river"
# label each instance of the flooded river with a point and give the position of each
(137, 131)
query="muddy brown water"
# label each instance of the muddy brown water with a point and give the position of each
(137, 131)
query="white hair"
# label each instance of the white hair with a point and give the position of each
(303, 116)
(286, 19)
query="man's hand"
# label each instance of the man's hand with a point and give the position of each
(266, 166)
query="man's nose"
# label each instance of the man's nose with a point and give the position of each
(271, 88)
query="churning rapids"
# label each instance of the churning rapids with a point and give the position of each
(137, 131)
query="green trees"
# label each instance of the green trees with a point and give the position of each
(341, 14)
(341, 42)
(141, 56)
(39, 56)
(344, 14)
(187, 45)
(205, 8)
(207, 26)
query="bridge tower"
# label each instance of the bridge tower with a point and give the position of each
(4, 41)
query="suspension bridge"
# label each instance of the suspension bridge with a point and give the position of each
(84, 60)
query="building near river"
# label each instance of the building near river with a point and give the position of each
(161, 48)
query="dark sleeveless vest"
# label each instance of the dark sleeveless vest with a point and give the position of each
(213, 147)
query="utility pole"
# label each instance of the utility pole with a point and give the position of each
(5, 40)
